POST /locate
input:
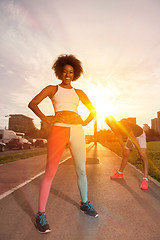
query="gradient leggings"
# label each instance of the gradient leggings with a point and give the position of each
(60, 135)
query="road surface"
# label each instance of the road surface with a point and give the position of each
(125, 211)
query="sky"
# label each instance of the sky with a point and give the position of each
(117, 41)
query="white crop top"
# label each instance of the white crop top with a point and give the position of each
(65, 100)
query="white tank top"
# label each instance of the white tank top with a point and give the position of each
(65, 100)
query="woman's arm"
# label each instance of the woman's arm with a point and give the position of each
(114, 126)
(33, 105)
(85, 100)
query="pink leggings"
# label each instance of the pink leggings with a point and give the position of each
(60, 135)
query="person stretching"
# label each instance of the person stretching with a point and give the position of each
(136, 137)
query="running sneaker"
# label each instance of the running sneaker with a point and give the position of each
(144, 184)
(88, 209)
(117, 175)
(41, 223)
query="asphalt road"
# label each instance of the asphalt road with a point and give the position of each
(125, 211)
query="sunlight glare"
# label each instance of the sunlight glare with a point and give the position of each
(104, 103)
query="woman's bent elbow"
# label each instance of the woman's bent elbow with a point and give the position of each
(31, 105)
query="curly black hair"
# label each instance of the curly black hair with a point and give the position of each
(71, 60)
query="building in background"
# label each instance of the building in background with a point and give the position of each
(131, 119)
(20, 123)
(155, 123)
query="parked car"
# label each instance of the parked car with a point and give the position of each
(20, 143)
(32, 141)
(41, 143)
(6, 135)
(2, 147)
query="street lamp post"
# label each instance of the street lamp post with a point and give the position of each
(8, 116)
(95, 130)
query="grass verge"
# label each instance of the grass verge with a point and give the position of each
(153, 153)
(6, 158)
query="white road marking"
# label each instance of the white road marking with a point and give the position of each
(5, 194)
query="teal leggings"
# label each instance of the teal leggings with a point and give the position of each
(62, 134)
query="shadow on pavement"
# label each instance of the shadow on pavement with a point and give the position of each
(64, 197)
(24, 202)
(141, 200)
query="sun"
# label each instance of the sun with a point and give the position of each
(104, 100)
(104, 103)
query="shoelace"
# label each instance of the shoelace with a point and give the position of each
(42, 219)
(89, 206)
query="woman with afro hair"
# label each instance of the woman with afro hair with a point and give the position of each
(66, 129)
